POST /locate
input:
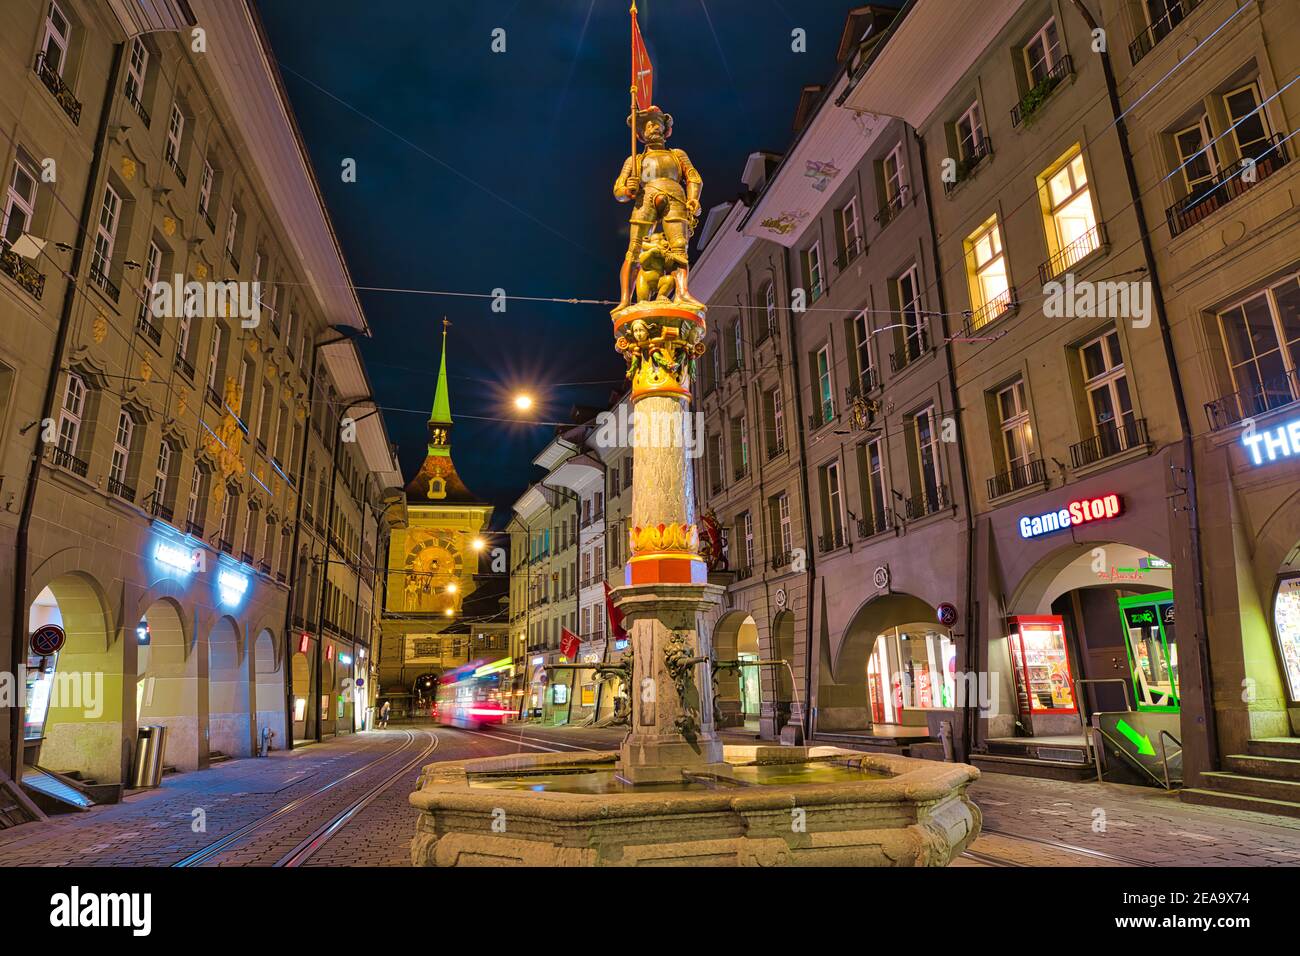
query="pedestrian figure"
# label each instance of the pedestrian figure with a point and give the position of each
(384, 711)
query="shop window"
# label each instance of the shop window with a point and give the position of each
(1286, 624)
(1044, 684)
(986, 274)
(1148, 623)
(912, 667)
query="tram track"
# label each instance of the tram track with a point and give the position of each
(302, 852)
(991, 859)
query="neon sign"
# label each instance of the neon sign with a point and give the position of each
(1079, 512)
(177, 558)
(1283, 440)
(231, 586)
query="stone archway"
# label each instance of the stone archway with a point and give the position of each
(738, 694)
(167, 685)
(84, 723)
(782, 690)
(229, 725)
(268, 688)
(300, 669)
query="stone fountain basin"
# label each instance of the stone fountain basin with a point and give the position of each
(882, 811)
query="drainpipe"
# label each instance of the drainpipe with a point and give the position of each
(1180, 401)
(970, 718)
(19, 622)
(811, 659)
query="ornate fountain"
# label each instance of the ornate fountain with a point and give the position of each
(673, 793)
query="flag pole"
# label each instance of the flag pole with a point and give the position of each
(632, 91)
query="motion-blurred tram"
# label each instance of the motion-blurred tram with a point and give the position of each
(475, 695)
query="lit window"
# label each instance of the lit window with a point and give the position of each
(1072, 230)
(986, 266)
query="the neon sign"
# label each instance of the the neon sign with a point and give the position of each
(1078, 512)
(1283, 440)
(231, 586)
(176, 557)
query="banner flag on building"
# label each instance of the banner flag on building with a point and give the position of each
(616, 630)
(569, 644)
(642, 72)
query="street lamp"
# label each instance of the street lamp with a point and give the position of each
(523, 401)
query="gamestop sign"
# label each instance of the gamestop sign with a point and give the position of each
(1083, 511)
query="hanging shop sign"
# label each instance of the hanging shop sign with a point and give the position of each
(178, 558)
(1274, 443)
(1083, 511)
(47, 640)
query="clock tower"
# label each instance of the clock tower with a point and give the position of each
(432, 563)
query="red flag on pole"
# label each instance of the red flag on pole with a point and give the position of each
(642, 73)
(569, 644)
(616, 630)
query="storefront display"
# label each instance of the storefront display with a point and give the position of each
(749, 688)
(1286, 624)
(913, 667)
(1044, 682)
(1148, 623)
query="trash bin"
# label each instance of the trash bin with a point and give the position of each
(150, 743)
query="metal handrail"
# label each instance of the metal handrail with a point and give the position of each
(1078, 698)
(1164, 754)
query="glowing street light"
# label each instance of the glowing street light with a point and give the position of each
(523, 401)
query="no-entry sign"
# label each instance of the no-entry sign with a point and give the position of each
(47, 640)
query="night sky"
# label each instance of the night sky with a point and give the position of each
(479, 170)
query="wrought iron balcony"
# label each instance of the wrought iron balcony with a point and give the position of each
(1146, 41)
(134, 100)
(172, 161)
(234, 259)
(280, 576)
(895, 205)
(743, 573)
(873, 524)
(213, 396)
(715, 486)
(147, 328)
(226, 546)
(159, 510)
(915, 345)
(992, 310)
(1256, 399)
(1032, 472)
(1065, 260)
(851, 252)
(121, 489)
(105, 283)
(207, 219)
(967, 166)
(776, 448)
(833, 539)
(246, 557)
(30, 279)
(54, 83)
(1035, 98)
(68, 461)
(1112, 439)
(194, 527)
(781, 561)
(929, 502)
(740, 471)
(1216, 193)
(824, 414)
(264, 567)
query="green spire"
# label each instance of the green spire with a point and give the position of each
(441, 403)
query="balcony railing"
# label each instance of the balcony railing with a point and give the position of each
(1032, 472)
(740, 471)
(174, 163)
(744, 573)
(227, 546)
(160, 510)
(147, 328)
(281, 577)
(851, 252)
(105, 283)
(1035, 98)
(68, 461)
(134, 100)
(207, 220)
(1256, 399)
(966, 167)
(121, 490)
(194, 527)
(1074, 253)
(871, 525)
(992, 310)
(246, 557)
(824, 414)
(895, 205)
(1112, 438)
(185, 367)
(915, 344)
(28, 277)
(213, 396)
(1146, 41)
(835, 538)
(54, 83)
(775, 448)
(264, 567)
(929, 502)
(234, 259)
(781, 561)
(715, 486)
(1216, 193)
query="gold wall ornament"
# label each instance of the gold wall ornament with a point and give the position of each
(250, 344)
(99, 328)
(182, 404)
(128, 168)
(169, 225)
(146, 370)
(300, 413)
(200, 271)
(286, 393)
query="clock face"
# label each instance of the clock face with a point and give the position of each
(433, 560)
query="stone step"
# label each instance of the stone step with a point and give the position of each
(1031, 767)
(1275, 747)
(1253, 786)
(1275, 768)
(1236, 801)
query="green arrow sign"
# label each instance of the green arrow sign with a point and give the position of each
(1140, 741)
